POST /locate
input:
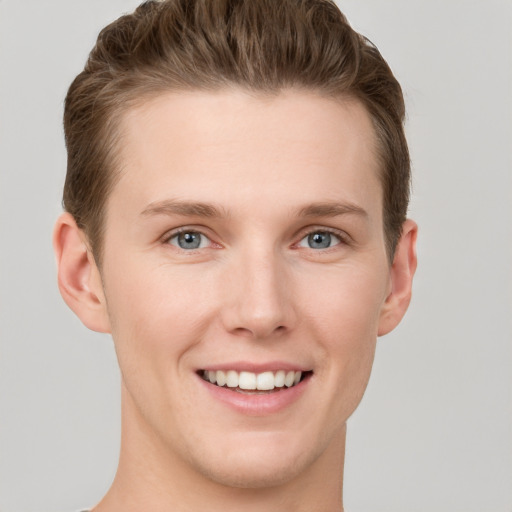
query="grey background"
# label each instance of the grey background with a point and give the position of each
(434, 431)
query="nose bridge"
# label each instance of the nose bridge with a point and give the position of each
(259, 294)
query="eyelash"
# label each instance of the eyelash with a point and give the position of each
(340, 235)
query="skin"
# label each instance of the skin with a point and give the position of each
(255, 291)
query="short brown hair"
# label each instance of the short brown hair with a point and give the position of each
(260, 45)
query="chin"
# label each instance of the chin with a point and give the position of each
(247, 476)
(256, 465)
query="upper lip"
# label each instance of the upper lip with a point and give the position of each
(245, 366)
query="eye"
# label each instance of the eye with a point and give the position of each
(320, 240)
(189, 240)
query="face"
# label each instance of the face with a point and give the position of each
(245, 274)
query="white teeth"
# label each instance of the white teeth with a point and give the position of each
(279, 379)
(221, 378)
(232, 379)
(247, 380)
(288, 380)
(265, 381)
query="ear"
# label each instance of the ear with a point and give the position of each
(401, 275)
(78, 276)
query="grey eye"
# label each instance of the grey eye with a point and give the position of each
(319, 240)
(189, 240)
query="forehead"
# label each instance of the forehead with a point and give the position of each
(234, 148)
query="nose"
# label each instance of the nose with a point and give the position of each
(258, 300)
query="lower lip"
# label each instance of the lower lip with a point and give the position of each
(252, 404)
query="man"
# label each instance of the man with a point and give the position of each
(236, 201)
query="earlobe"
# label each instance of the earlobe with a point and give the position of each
(401, 275)
(78, 275)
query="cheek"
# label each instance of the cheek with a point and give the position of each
(157, 313)
(157, 316)
(345, 301)
(345, 312)
(146, 298)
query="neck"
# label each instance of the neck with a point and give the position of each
(152, 477)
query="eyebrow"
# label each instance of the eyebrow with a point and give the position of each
(184, 208)
(331, 209)
(209, 210)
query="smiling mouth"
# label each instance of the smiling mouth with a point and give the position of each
(254, 383)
